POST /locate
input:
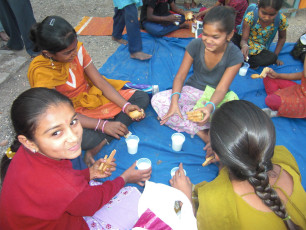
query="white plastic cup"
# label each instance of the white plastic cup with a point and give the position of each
(132, 144)
(177, 141)
(244, 69)
(172, 172)
(143, 163)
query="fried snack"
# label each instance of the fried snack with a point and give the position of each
(195, 115)
(128, 134)
(106, 165)
(189, 16)
(262, 75)
(209, 159)
(136, 114)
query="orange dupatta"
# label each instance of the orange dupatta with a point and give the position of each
(90, 100)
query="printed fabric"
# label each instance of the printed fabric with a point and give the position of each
(259, 36)
(293, 100)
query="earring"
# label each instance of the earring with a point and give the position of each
(52, 64)
(34, 151)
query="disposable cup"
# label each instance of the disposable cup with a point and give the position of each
(177, 141)
(132, 144)
(143, 163)
(244, 69)
(172, 172)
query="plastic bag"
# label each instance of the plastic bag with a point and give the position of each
(161, 200)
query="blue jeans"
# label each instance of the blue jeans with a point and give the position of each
(159, 30)
(128, 16)
(17, 18)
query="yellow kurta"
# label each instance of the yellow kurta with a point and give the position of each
(221, 208)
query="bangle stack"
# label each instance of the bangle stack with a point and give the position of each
(174, 94)
(103, 125)
(125, 105)
(213, 104)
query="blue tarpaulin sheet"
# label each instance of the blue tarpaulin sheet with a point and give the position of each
(155, 140)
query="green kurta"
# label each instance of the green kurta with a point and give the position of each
(219, 207)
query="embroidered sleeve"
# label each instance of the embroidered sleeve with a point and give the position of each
(283, 23)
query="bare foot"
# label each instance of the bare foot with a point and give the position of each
(141, 56)
(4, 36)
(203, 134)
(121, 41)
(184, 26)
(90, 154)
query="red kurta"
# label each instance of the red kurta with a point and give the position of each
(293, 100)
(42, 193)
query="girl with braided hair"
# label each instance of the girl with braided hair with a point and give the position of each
(259, 184)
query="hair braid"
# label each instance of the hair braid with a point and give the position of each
(268, 195)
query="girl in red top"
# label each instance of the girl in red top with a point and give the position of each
(286, 98)
(41, 190)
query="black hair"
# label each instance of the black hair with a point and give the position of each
(275, 4)
(224, 15)
(25, 113)
(243, 137)
(52, 34)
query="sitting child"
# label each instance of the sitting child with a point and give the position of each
(259, 184)
(41, 190)
(259, 28)
(216, 61)
(284, 97)
(158, 21)
(239, 5)
(65, 65)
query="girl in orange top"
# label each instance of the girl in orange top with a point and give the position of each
(65, 65)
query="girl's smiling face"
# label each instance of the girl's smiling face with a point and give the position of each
(65, 55)
(58, 134)
(213, 38)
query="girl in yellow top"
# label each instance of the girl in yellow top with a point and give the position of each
(64, 65)
(258, 186)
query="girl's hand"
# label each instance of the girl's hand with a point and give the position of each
(131, 108)
(173, 18)
(115, 129)
(209, 153)
(199, 15)
(95, 172)
(132, 175)
(245, 51)
(206, 111)
(174, 109)
(271, 73)
(182, 182)
(279, 62)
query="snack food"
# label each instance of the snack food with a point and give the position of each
(195, 115)
(189, 16)
(136, 114)
(209, 159)
(128, 134)
(106, 165)
(262, 75)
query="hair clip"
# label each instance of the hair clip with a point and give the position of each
(52, 22)
(9, 153)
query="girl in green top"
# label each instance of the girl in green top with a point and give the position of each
(258, 186)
